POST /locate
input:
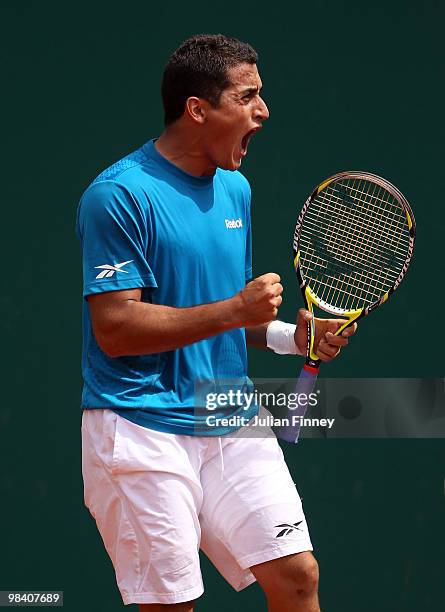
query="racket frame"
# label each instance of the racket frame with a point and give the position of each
(309, 296)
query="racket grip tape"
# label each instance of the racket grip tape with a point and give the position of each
(305, 385)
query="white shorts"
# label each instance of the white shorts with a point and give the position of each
(158, 497)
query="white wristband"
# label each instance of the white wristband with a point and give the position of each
(280, 338)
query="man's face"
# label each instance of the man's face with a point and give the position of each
(240, 113)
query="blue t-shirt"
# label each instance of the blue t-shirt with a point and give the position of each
(184, 240)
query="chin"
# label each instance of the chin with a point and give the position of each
(234, 165)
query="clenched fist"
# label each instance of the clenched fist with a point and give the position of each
(259, 301)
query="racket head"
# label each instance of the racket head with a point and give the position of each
(353, 244)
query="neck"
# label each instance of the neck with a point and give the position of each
(185, 150)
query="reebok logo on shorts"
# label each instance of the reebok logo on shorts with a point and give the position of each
(234, 223)
(108, 270)
(289, 529)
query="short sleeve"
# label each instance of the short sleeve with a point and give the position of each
(115, 235)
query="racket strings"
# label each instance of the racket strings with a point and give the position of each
(353, 243)
(366, 242)
(344, 233)
(364, 223)
(335, 244)
(350, 291)
(361, 287)
(342, 245)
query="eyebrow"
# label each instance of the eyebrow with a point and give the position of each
(250, 90)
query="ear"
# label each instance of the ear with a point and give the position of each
(196, 109)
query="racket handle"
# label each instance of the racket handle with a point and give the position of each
(305, 384)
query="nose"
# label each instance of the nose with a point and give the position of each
(261, 111)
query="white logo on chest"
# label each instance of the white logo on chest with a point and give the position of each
(233, 223)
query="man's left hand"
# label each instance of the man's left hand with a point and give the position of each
(326, 345)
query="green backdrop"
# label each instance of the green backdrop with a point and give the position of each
(350, 85)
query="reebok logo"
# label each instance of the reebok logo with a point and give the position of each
(288, 529)
(233, 223)
(108, 270)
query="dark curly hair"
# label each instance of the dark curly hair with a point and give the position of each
(198, 68)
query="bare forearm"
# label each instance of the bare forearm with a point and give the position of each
(140, 328)
(124, 325)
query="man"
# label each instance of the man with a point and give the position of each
(166, 243)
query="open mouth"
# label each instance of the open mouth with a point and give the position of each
(246, 139)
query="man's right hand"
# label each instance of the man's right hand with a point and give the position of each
(259, 301)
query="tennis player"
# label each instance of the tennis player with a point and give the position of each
(169, 300)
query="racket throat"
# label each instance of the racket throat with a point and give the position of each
(311, 301)
(312, 360)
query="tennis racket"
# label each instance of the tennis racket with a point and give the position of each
(353, 244)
